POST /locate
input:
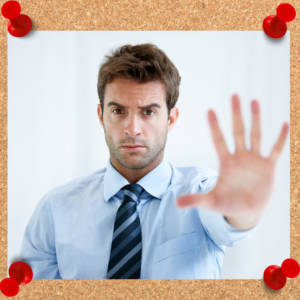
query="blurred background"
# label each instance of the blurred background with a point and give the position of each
(54, 134)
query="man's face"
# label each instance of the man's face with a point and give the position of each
(129, 124)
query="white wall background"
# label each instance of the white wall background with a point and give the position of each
(54, 134)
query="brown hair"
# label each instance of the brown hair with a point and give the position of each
(142, 63)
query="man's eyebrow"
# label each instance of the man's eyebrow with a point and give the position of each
(111, 103)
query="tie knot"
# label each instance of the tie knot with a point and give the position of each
(133, 191)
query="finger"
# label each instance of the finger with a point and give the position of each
(255, 129)
(217, 134)
(280, 143)
(205, 201)
(238, 126)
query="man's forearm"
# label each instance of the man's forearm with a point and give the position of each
(243, 223)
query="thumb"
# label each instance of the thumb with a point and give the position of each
(195, 200)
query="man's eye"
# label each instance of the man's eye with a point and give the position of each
(117, 109)
(144, 110)
(150, 110)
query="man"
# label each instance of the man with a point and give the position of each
(142, 217)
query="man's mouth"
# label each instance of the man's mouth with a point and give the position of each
(137, 148)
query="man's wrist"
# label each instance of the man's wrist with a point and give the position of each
(243, 223)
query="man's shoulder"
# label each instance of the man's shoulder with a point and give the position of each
(187, 175)
(79, 182)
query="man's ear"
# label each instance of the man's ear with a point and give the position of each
(99, 112)
(174, 114)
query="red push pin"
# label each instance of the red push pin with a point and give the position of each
(275, 277)
(18, 24)
(274, 26)
(20, 273)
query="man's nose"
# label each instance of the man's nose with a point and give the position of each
(133, 125)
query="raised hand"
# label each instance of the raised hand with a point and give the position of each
(245, 178)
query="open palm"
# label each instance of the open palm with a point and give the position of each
(245, 178)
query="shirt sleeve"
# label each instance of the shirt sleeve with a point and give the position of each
(217, 227)
(38, 245)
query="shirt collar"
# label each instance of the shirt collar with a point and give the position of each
(155, 182)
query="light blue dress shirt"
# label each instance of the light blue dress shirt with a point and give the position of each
(70, 232)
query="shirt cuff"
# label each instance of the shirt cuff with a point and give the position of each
(220, 231)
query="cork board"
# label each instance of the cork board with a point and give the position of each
(138, 16)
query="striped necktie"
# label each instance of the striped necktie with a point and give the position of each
(126, 248)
